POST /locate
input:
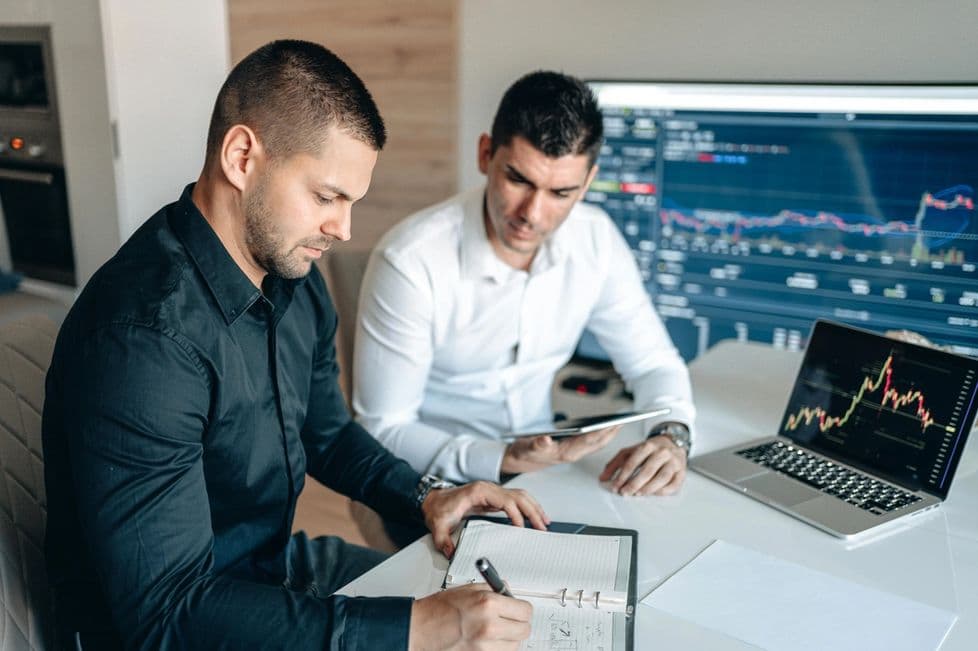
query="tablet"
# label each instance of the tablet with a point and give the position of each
(575, 426)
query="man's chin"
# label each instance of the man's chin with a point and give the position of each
(521, 246)
(294, 271)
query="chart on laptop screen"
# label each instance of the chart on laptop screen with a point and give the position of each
(898, 409)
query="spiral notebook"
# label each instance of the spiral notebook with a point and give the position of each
(582, 585)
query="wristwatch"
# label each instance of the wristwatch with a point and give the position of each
(678, 432)
(427, 484)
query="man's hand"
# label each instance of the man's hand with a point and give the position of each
(444, 509)
(656, 465)
(469, 617)
(536, 452)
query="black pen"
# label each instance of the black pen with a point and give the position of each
(489, 573)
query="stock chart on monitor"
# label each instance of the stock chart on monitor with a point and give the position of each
(753, 210)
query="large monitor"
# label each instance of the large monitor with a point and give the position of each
(753, 209)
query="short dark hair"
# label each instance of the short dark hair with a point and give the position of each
(554, 112)
(289, 92)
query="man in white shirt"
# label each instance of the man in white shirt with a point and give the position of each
(470, 307)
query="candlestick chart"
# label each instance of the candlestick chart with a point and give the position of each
(875, 392)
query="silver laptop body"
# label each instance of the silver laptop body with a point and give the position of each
(872, 433)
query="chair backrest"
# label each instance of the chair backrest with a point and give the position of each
(344, 269)
(26, 346)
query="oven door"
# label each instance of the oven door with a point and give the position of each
(34, 200)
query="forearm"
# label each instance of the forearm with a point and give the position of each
(353, 463)
(222, 613)
(457, 457)
(665, 386)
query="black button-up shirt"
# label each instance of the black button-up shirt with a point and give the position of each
(183, 410)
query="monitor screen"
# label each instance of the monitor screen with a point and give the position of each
(754, 209)
(900, 410)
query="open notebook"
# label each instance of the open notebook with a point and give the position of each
(582, 586)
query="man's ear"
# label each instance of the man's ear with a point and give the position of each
(239, 153)
(485, 152)
(587, 181)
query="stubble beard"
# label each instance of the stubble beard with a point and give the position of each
(267, 246)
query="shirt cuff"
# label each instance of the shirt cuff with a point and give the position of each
(469, 458)
(377, 623)
(484, 459)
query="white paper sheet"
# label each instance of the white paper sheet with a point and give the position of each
(775, 604)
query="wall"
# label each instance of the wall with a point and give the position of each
(788, 40)
(406, 54)
(166, 62)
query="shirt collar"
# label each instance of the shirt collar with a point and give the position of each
(478, 258)
(231, 288)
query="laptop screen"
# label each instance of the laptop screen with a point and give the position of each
(898, 410)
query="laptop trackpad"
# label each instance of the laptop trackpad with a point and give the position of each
(779, 488)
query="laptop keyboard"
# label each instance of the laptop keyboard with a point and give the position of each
(831, 478)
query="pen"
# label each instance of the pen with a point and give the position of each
(489, 573)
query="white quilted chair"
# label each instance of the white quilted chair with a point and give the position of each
(25, 353)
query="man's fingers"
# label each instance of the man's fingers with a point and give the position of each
(541, 443)
(635, 459)
(673, 486)
(514, 514)
(517, 504)
(657, 474)
(516, 610)
(653, 475)
(613, 465)
(532, 510)
(441, 535)
(645, 472)
(575, 447)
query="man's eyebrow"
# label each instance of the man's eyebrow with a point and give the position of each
(335, 190)
(515, 173)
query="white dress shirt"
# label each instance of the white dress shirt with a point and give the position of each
(454, 348)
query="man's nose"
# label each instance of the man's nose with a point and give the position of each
(533, 207)
(340, 225)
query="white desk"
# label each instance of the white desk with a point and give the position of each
(934, 560)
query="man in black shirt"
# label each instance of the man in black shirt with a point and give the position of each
(193, 386)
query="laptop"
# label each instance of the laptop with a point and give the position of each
(872, 433)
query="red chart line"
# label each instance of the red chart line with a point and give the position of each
(806, 415)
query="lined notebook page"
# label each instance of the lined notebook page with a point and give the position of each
(537, 560)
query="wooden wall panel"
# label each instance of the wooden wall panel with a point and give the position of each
(406, 53)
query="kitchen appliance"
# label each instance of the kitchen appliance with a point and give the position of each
(33, 188)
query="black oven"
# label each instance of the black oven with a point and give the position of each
(35, 210)
(33, 189)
